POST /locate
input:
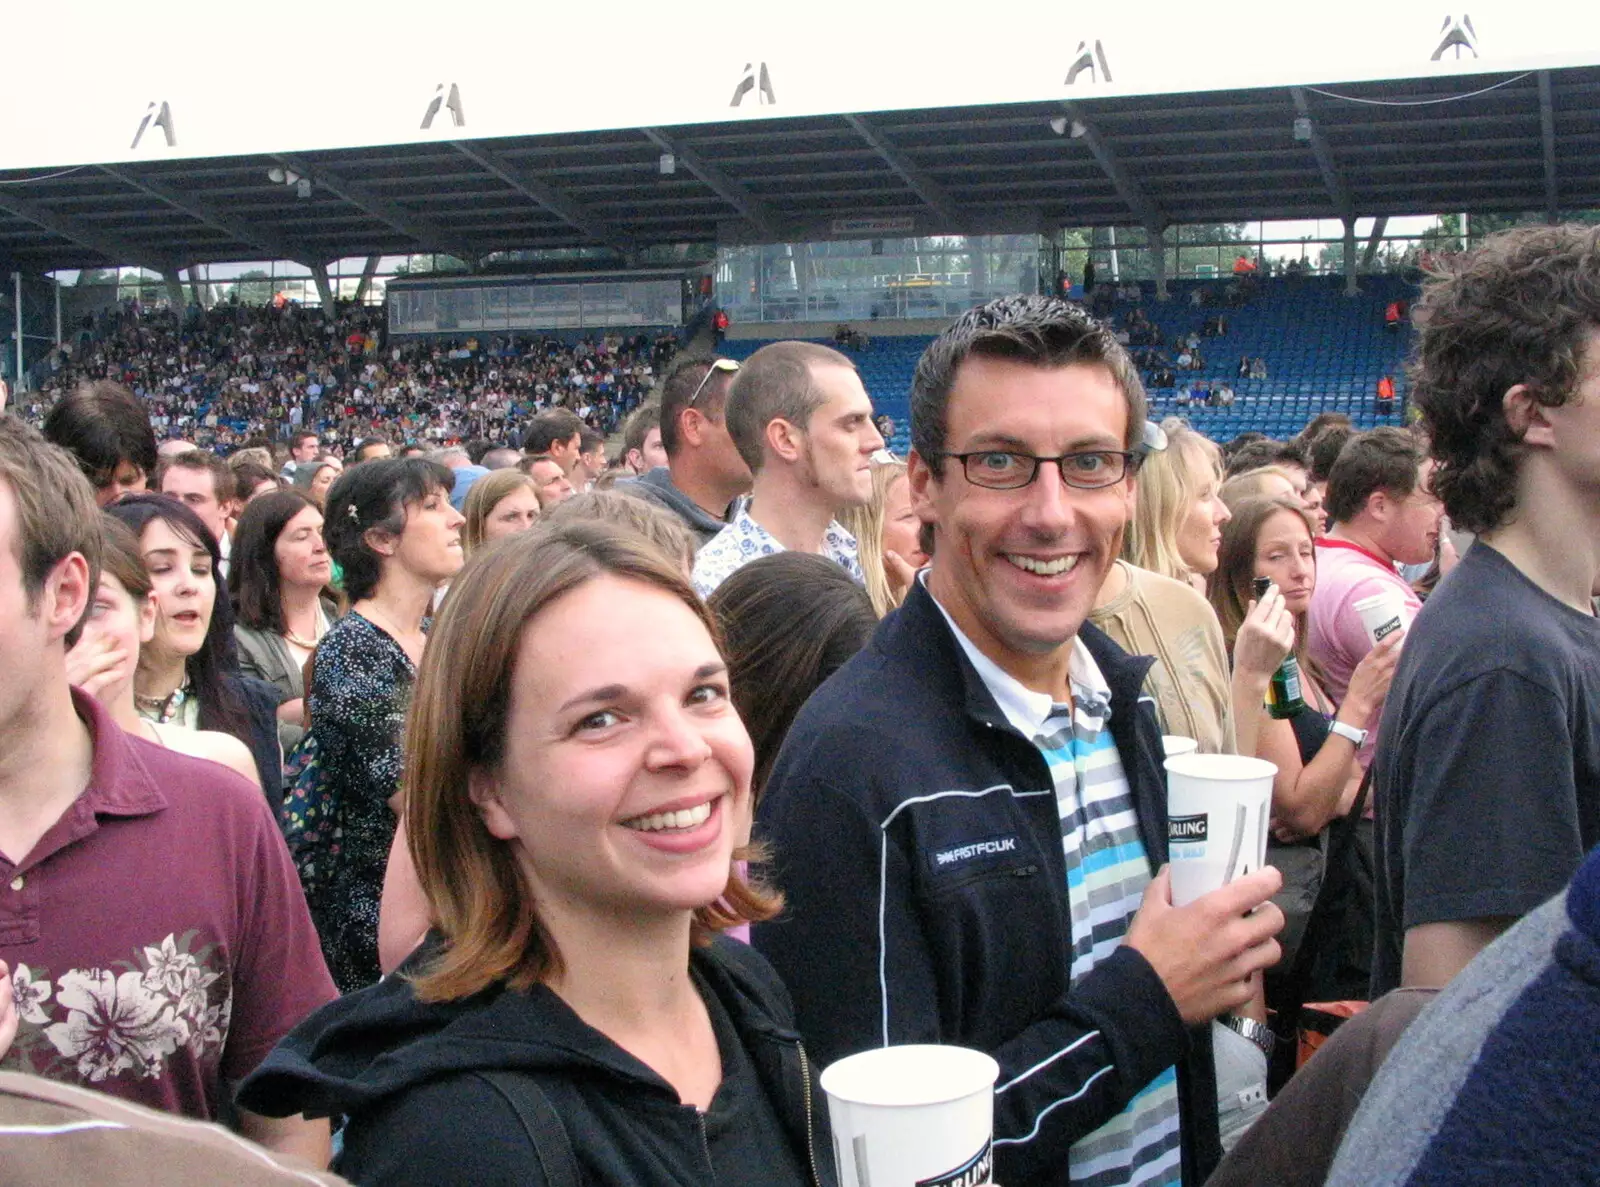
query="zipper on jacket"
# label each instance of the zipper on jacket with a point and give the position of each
(705, 1141)
(811, 1140)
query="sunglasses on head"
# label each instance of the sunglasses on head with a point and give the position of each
(726, 366)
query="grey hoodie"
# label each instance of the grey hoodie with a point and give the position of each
(657, 486)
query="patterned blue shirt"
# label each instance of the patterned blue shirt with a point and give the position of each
(743, 540)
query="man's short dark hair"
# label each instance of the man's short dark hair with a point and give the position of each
(1263, 451)
(1320, 424)
(1035, 330)
(249, 476)
(588, 439)
(366, 444)
(299, 438)
(476, 448)
(554, 426)
(1325, 450)
(103, 424)
(1517, 310)
(1251, 455)
(1383, 459)
(637, 427)
(1292, 453)
(224, 482)
(776, 383)
(678, 386)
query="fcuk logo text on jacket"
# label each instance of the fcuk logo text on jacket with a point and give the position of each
(987, 848)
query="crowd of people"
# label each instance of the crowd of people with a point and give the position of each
(1164, 364)
(489, 813)
(223, 376)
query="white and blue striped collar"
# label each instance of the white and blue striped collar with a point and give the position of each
(1025, 709)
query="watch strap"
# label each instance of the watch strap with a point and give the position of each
(1258, 1033)
(1345, 730)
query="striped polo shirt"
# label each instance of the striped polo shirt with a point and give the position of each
(1107, 873)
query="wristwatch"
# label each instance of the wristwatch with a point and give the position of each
(1345, 730)
(1258, 1033)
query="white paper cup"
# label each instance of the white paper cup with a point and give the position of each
(1174, 745)
(912, 1115)
(1218, 808)
(1382, 615)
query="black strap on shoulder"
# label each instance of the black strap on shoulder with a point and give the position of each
(542, 1124)
(1344, 829)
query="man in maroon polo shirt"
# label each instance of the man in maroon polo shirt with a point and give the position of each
(157, 937)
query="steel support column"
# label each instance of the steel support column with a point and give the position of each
(16, 290)
(324, 291)
(1547, 140)
(1379, 226)
(1158, 253)
(367, 274)
(1350, 289)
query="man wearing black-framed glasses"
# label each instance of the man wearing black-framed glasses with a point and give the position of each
(969, 819)
(704, 476)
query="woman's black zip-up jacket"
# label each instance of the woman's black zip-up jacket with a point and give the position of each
(916, 839)
(407, 1074)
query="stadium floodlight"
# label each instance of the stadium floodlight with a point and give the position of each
(1059, 125)
(275, 175)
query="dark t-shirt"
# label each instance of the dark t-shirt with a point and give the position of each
(1487, 777)
(744, 1137)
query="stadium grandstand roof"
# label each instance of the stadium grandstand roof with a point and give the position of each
(1508, 142)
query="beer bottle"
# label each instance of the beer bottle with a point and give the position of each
(1283, 690)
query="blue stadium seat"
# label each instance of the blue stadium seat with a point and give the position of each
(1324, 352)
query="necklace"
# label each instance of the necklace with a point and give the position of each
(163, 709)
(320, 629)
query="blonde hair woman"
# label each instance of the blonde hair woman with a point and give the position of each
(1264, 482)
(1153, 602)
(1177, 523)
(886, 535)
(498, 505)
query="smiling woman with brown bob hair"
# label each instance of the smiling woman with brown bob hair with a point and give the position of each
(459, 726)
(577, 788)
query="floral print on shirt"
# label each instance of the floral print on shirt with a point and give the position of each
(98, 1024)
(744, 540)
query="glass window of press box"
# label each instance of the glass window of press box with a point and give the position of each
(590, 305)
(864, 279)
